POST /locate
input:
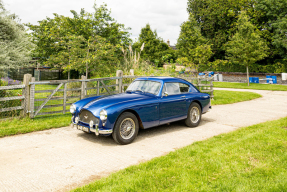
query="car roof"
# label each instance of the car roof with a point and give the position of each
(163, 79)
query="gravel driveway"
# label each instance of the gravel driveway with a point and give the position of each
(64, 158)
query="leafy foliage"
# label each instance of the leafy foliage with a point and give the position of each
(155, 47)
(15, 45)
(217, 21)
(86, 42)
(192, 46)
(246, 46)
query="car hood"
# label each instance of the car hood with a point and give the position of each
(97, 105)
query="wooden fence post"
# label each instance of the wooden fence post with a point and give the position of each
(119, 81)
(26, 92)
(98, 88)
(132, 72)
(32, 99)
(83, 87)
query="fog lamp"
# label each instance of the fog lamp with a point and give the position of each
(77, 120)
(91, 124)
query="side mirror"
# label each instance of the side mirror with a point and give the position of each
(165, 94)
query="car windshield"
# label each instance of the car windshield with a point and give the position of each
(152, 87)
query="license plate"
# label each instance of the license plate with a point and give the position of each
(86, 129)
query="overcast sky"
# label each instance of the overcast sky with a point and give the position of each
(165, 16)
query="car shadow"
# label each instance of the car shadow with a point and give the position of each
(143, 133)
(102, 140)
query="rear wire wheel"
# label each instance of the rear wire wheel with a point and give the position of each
(194, 115)
(126, 128)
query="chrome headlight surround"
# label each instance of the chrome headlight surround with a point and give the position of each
(103, 115)
(73, 108)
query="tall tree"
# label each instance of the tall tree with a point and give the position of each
(280, 37)
(51, 31)
(192, 45)
(246, 46)
(154, 48)
(217, 20)
(15, 44)
(69, 51)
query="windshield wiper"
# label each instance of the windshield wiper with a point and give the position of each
(150, 92)
(129, 91)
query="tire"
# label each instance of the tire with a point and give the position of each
(194, 115)
(126, 128)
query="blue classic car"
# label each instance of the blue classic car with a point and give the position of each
(147, 102)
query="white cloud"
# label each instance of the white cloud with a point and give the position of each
(164, 16)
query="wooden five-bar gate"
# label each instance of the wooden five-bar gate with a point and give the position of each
(51, 97)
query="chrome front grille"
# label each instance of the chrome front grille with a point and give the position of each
(86, 116)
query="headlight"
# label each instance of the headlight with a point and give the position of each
(103, 115)
(73, 109)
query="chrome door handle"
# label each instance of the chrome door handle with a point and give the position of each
(182, 96)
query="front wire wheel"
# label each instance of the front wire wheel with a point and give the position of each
(126, 128)
(194, 115)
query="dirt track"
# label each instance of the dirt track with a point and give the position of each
(64, 158)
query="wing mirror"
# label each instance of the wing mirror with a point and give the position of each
(165, 94)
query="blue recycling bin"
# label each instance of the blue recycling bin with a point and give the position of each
(210, 74)
(274, 79)
(251, 80)
(269, 81)
(201, 74)
(255, 79)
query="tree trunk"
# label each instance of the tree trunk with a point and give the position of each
(247, 75)
(87, 70)
(69, 63)
(87, 62)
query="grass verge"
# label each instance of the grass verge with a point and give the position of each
(249, 159)
(271, 87)
(227, 97)
(26, 125)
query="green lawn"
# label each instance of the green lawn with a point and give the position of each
(26, 125)
(272, 87)
(228, 97)
(249, 159)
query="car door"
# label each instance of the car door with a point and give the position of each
(172, 104)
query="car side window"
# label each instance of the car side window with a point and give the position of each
(175, 88)
(171, 88)
(184, 88)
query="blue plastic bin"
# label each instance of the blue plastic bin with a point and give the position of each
(210, 74)
(201, 74)
(274, 79)
(251, 80)
(268, 81)
(255, 79)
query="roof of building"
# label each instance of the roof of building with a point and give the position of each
(173, 47)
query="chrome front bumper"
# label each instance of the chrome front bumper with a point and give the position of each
(95, 130)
